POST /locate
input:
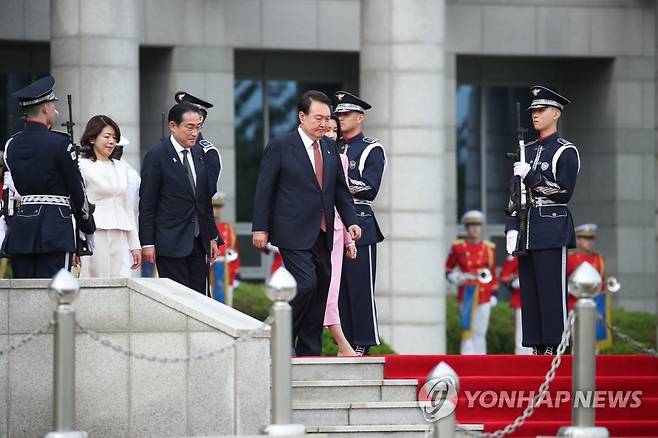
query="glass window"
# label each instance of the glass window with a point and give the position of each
(486, 130)
(10, 113)
(500, 137)
(249, 137)
(468, 149)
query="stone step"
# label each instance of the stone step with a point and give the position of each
(354, 390)
(357, 413)
(373, 431)
(337, 368)
(386, 431)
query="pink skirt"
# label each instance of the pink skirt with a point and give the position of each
(331, 316)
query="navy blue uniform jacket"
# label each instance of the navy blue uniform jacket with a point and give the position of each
(365, 171)
(167, 203)
(44, 162)
(555, 164)
(289, 203)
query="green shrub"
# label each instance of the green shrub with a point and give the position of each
(641, 326)
(250, 298)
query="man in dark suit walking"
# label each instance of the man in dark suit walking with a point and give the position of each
(301, 179)
(176, 224)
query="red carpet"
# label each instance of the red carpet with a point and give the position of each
(494, 390)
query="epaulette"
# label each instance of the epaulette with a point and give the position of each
(530, 143)
(458, 242)
(563, 142)
(15, 134)
(490, 244)
(205, 144)
(371, 140)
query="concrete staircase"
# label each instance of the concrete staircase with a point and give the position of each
(349, 398)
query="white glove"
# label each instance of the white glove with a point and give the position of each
(515, 284)
(493, 301)
(455, 277)
(511, 237)
(521, 168)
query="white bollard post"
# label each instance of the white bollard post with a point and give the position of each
(64, 289)
(584, 283)
(281, 289)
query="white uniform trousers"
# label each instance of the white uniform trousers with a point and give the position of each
(518, 334)
(477, 343)
(110, 258)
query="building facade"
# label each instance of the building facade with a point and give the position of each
(443, 77)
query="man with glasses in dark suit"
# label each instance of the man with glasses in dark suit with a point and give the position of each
(176, 223)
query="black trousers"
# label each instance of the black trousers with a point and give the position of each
(543, 281)
(40, 265)
(311, 269)
(356, 302)
(190, 271)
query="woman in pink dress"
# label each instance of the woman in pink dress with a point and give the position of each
(343, 244)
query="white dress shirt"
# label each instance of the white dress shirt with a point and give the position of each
(308, 144)
(179, 151)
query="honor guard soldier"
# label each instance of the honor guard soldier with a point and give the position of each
(366, 166)
(471, 265)
(225, 270)
(549, 173)
(509, 275)
(44, 170)
(585, 237)
(212, 156)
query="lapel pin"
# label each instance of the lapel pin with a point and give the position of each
(173, 159)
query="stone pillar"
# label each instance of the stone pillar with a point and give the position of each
(402, 76)
(95, 58)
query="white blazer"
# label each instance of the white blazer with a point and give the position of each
(107, 188)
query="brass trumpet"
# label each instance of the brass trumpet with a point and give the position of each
(231, 255)
(612, 285)
(483, 275)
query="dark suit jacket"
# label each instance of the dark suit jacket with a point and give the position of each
(167, 203)
(289, 203)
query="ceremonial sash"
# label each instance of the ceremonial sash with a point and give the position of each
(467, 309)
(603, 306)
(219, 281)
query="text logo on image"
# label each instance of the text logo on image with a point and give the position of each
(437, 398)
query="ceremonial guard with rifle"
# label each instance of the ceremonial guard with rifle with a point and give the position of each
(471, 265)
(44, 170)
(366, 166)
(539, 227)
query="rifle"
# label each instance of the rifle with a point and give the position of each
(520, 193)
(83, 246)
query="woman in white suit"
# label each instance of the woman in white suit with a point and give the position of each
(106, 179)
